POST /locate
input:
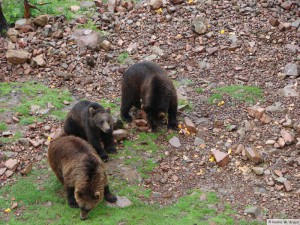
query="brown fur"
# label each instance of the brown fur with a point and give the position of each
(81, 171)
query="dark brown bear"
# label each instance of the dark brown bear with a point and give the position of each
(81, 171)
(146, 85)
(93, 123)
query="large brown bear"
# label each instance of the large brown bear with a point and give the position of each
(81, 171)
(93, 123)
(148, 82)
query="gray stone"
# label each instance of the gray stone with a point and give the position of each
(122, 202)
(2, 171)
(255, 211)
(17, 56)
(156, 4)
(296, 23)
(199, 25)
(281, 179)
(258, 170)
(22, 22)
(276, 107)
(289, 91)
(88, 38)
(199, 141)
(39, 60)
(174, 141)
(292, 69)
(12, 34)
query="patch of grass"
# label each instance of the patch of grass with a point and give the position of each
(249, 94)
(185, 104)
(106, 103)
(199, 90)
(91, 25)
(122, 57)
(34, 94)
(3, 126)
(14, 10)
(32, 196)
(16, 137)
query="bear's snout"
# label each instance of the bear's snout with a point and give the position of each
(84, 214)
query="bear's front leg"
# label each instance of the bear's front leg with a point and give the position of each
(108, 196)
(109, 144)
(71, 198)
(172, 117)
(94, 140)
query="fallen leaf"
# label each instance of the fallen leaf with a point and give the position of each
(159, 11)
(222, 31)
(7, 210)
(229, 151)
(221, 103)
(212, 159)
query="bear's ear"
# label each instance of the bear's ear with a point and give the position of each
(97, 195)
(108, 110)
(92, 111)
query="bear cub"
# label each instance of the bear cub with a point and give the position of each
(146, 85)
(78, 167)
(90, 121)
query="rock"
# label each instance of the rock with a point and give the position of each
(177, 1)
(189, 125)
(287, 186)
(293, 48)
(40, 21)
(280, 143)
(174, 141)
(199, 25)
(120, 134)
(75, 8)
(288, 137)
(22, 22)
(292, 69)
(281, 179)
(288, 121)
(255, 211)
(11, 164)
(17, 56)
(88, 38)
(199, 142)
(27, 169)
(222, 159)
(12, 34)
(122, 202)
(289, 91)
(253, 155)
(141, 122)
(58, 34)
(265, 119)
(256, 111)
(278, 173)
(274, 22)
(8, 173)
(111, 4)
(276, 107)
(287, 5)
(2, 171)
(39, 60)
(296, 23)
(156, 4)
(258, 170)
(106, 45)
(6, 133)
(211, 51)
(239, 149)
(27, 28)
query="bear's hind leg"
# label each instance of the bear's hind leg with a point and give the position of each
(71, 198)
(126, 104)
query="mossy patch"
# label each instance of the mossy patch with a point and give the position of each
(248, 94)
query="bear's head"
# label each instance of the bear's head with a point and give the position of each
(101, 119)
(87, 200)
(154, 116)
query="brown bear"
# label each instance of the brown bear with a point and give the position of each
(78, 167)
(146, 85)
(90, 121)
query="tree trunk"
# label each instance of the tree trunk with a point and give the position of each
(3, 23)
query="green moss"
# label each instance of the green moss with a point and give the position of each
(199, 90)
(122, 57)
(3, 126)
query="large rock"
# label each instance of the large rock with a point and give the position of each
(120, 134)
(122, 202)
(156, 4)
(11, 164)
(88, 38)
(40, 21)
(17, 56)
(174, 141)
(12, 34)
(39, 60)
(22, 22)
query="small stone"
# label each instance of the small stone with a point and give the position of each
(8, 173)
(122, 202)
(278, 173)
(222, 159)
(288, 137)
(11, 164)
(255, 211)
(253, 155)
(278, 187)
(289, 91)
(280, 143)
(199, 142)
(47, 128)
(27, 169)
(287, 5)
(58, 34)
(106, 45)
(144, 128)
(14, 205)
(174, 178)
(2, 171)
(6, 133)
(256, 112)
(211, 51)
(17, 56)
(292, 69)
(177, 1)
(156, 4)
(274, 22)
(258, 170)
(34, 143)
(270, 142)
(40, 21)
(189, 125)
(141, 122)
(240, 148)
(296, 23)
(265, 119)
(199, 25)
(120, 134)
(281, 179)
(287, 186)
(66, 102)
(15, 119)
(174, 141)
(74, 8)
(39, 60)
